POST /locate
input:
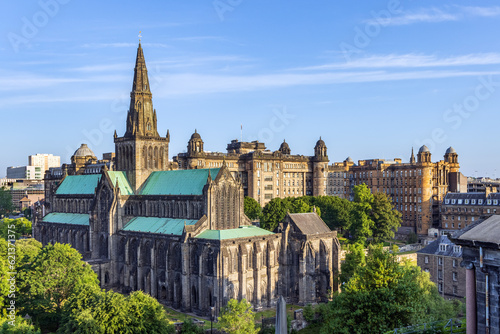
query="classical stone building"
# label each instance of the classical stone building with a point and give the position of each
(441, 259)
(264, 174)
(182, 235)
(460, 210)
(417, 188)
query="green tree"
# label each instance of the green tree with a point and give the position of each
(252, 208)
(91, 310)
(189, 327)
(6, 205)
(274, 212)
(335, 211)
(386, 218)
(147, 315)
(361, 223)
(19, 226)
(382, 295)
(21, 326)
(49, 281)
(354, 258)
(237, 318)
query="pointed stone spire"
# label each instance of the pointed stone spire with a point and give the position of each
(115, 135)
(168, 135)
(141, 118)
(141, 81)
(412, 157)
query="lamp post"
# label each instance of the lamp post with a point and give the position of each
(212, 315)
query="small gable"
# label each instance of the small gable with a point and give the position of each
(309, 223)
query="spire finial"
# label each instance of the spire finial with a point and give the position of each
(140, 36)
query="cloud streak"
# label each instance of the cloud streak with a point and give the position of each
(411, 61)
(435, 15)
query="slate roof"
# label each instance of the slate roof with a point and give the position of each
(79, 185)
(241, 232)
(121, 177)
(486, 231)
(67, 218)
(158, 225)
(309, 223)
(434, 249)
(178, 182)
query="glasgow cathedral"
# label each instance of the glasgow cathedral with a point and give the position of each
(180, 235)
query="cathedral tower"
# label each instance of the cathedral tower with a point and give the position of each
(141, 150)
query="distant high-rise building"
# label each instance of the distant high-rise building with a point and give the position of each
(45, 161)
(25, 172)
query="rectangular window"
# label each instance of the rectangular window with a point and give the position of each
(440, 261)
(455, 276)
(440, 287)
(426, 259)
(440, 274)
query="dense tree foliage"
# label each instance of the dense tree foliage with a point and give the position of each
(382, 295)
(237, 318)
(252, 208)
(19, 326)
(189, 327)
(276, 210)
(6, 205)
(49, 280)
(91, 310)
(17, 227)
(386, 219)
(354, 258)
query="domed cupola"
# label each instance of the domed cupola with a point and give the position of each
(195, 144)
(285, 148)
(320, 150)
(424, 154)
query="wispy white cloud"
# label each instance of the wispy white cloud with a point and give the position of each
(188, 84)
(123, 45)
(434, 15)
(200, 38)
(411, 61)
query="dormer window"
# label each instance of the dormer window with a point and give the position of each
(466, 201)
(446, 201)
(495, 202)
(459, 201)
(489, 202)
(442, 247)
(473, 201)
(480, 202)
(453, 201)
(457, 249)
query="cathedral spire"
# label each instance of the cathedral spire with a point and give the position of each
(141, 119)
(141, 81)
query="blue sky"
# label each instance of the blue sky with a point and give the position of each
(372, 78)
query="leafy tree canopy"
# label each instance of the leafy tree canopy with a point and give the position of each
(252, 208)
(49, 280)
(382, 295)
(237, 318)
(6, 205)
(17, 227)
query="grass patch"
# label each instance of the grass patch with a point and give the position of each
(176, 316)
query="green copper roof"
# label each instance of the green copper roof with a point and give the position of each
(242, 232)
(67, 218)
(123, 183)
(79, 185)
(158, 225)
(178, 182)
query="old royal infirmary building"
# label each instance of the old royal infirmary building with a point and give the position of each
(180, 235)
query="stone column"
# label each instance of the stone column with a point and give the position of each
(470, 297)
